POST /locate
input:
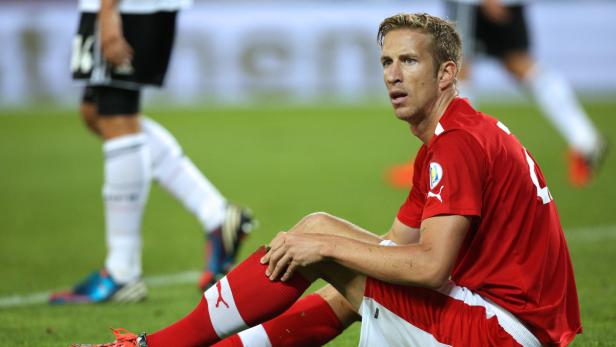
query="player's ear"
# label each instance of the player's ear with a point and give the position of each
(447, 74)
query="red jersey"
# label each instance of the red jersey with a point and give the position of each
(515, 252)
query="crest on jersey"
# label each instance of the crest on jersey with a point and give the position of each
(436, 174)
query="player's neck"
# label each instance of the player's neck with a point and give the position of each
(424, 130)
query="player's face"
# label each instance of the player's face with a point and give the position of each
(409, 73)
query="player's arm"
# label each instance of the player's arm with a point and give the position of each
(114, 47)
(402, 234)
(495, 10)
(427, 263)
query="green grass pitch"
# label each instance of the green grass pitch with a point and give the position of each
(283, 162)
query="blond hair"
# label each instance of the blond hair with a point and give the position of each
(446, 42)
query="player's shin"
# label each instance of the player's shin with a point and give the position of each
(559, 103)
(126, 188)
(309, 322)
(243, 298)
(178, 175)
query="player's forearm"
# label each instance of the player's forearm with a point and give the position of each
(109, 17)
(108, 5)
(413, 264)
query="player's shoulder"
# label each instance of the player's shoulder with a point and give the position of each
(462, 121)
(460, 115)
(461, 129)
(455, 141)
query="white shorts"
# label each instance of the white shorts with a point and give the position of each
(394, 315)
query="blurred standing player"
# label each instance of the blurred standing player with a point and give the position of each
(121, 47)
(476, 255)
(498, 28)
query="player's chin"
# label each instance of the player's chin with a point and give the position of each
(402, 113)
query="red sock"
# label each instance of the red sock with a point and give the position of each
(309, 322)
(245, 297)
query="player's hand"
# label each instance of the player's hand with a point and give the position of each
(288, 251)
(114, 47)
(495, 11)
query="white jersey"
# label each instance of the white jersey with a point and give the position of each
(137, 6)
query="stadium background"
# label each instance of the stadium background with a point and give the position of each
(281, 104)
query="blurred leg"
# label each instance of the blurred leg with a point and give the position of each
(557, 100)
(178, 175)
(126, 180)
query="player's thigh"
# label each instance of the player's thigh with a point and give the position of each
(395, 315)
(87, 110)
(519, 63)
(117, 111)
(498, 39)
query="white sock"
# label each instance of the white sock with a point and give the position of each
(125, 192)
(178, 175)
(255, 337)
(559, 103)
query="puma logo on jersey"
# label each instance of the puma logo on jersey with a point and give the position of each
(438, 196)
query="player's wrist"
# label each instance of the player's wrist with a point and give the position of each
(329, 248)
(109, 5)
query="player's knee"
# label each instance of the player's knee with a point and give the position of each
(89, 117)
(315, 221)
(116, 126)
(519, 64)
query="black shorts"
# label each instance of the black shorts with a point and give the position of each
(112, 101)
(150, 35)
(481, 35)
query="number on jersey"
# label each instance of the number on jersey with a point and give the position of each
(542, 192)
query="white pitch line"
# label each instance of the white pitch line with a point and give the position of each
(152, 281)
(591, 233)
(581, 234)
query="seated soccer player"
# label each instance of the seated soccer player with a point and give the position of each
(475, 257)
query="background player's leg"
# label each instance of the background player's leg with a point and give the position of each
(127, 176)
(127, 181)
(89, 116)
(225, 224)
(557, 101)
(559, 104)
(178, 175)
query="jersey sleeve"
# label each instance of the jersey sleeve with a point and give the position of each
(410, 211)
(457, 171)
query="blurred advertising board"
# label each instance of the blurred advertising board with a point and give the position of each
(299, 51)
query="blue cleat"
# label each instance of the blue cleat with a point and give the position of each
(100, 287)
(223, 244)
